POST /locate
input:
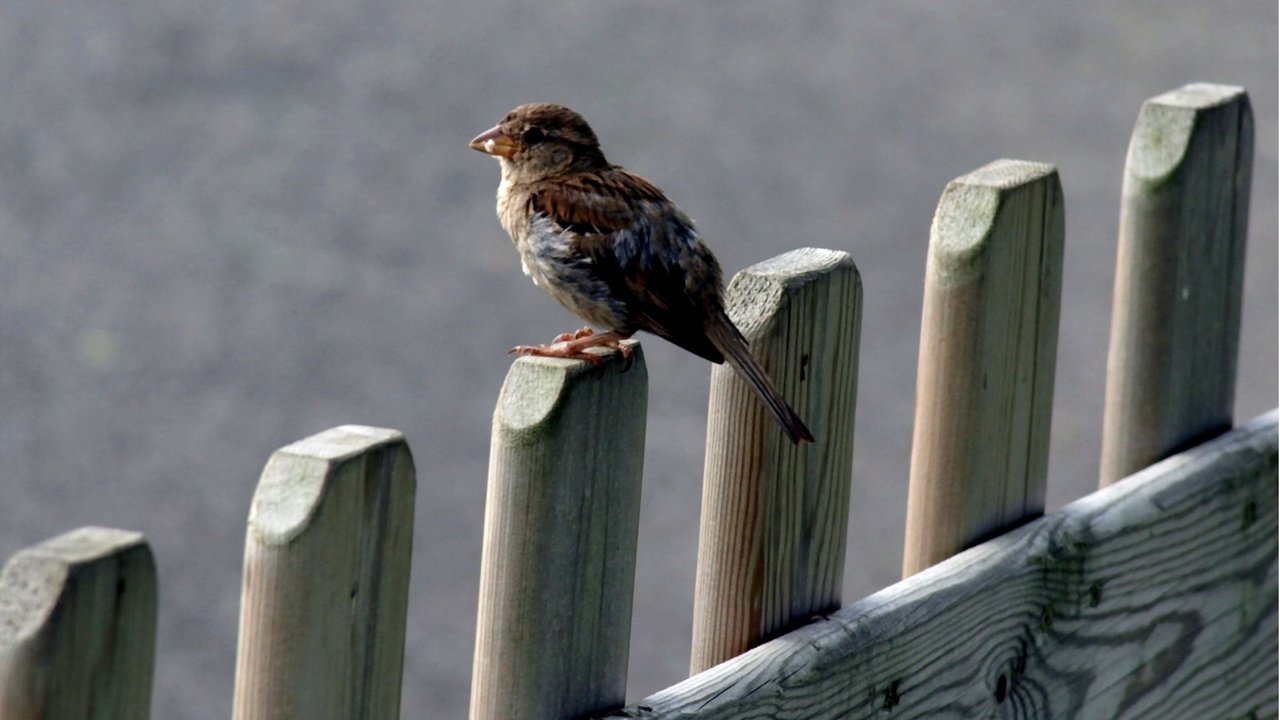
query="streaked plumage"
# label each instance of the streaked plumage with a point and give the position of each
(612, 248)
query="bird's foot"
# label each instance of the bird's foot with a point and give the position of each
(576, 335)
(576, 347)
(558, 349)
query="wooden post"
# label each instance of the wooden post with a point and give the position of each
(560, 528)
(1175, 324)
(78, 628)
(988, 342)
(774, 515)
(326, 579)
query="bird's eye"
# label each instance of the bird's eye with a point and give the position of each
(533, 136)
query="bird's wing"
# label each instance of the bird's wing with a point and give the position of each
(595, 203)
(643, 248)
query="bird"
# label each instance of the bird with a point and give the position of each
(613, 249)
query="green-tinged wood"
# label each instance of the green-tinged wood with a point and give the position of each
(1153, 598)
(1175, 324)
(988, 345)
(326, 579)
(774, 514)
(561, 522)
(78, 628)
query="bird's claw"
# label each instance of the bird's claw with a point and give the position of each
(575, 347)
(628, 354)
(559, 349)
(585, 332)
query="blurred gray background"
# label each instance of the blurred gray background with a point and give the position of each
(228, 225)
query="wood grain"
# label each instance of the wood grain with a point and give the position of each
(326, 579)
(775, 515)
(1152, 598)
(1175, 327)
(988, 346)
(561, 523)
(78, 628)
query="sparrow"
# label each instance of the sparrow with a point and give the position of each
(612, 249)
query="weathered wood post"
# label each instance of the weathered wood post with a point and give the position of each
(1175, 324)
(561, 524)
(326, 579)
(78, 628)
(988, 342)
(775, 515)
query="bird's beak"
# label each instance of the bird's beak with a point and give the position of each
(494, 142)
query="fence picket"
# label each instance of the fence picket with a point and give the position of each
(1175, 326)
(775, 515)
(326, 579)
(988, 344)
(78, 628)
(561, 522)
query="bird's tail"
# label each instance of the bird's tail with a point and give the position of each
(730, 342)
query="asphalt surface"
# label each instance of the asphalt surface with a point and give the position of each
(228, 225)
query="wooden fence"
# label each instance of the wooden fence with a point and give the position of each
(1154, 597)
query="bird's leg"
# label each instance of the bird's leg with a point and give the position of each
(576, 349)
(587, 331)
(612, 339)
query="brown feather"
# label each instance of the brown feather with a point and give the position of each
(594, 203)
(725, 336)
(597, 206)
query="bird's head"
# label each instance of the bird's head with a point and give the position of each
(540, 140)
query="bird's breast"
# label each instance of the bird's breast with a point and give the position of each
(549, 256)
